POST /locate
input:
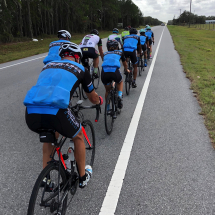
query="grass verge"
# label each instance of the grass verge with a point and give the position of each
(196, 49)
(15, 51)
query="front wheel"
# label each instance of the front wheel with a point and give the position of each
(109, 114)
(44, 197)
(89, 140)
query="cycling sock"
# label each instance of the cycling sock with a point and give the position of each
(134, 80)
(150, 53)
(120, 94)
(108, 106)
(145, 60)
(95, 70)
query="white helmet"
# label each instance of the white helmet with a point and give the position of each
(71, 48)
(63, 34)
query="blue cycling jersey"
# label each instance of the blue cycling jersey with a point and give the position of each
(112, 60)
(142, 40)
(149, 34)
(55, 85)
(131, 42)
(54, 51)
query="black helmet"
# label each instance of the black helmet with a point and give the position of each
(126, 28)
(94, 31)
(64, 34)
(133, 31)
(112, 45)
(115, 30)
(70, 48)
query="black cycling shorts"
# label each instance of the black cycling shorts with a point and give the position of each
(150, 41)
(144, 47)
(64, 122)
(132, 56)
(108, 77)
(88, 52)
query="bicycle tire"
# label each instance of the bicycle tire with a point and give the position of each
(141, 68)
(96, 80)
(127, 83)
(148, 54)
(83, 92)
(47, 210)
(109, 114)
(90, 150)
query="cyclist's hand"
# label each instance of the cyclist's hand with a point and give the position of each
(101, 100)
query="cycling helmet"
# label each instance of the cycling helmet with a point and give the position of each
(70, 49)
(142, 31)
(133, 31)
(115, 30)
(94, 31)
(112, 45)
(126, 28)
(63, 34)
(148, 27)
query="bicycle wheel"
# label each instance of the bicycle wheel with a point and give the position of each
(83, 92)
(90, 148)
(44, 197)
(128, 83)
(96, 80)
(148, 54)
(141, 68)
(109, 114)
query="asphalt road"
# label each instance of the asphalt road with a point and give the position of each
(171, 165)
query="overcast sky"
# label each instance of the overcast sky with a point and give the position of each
(165, 10)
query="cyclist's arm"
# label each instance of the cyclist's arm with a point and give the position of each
(139, 46)
(93, 97)
(101, 52)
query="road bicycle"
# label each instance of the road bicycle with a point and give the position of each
(128, 77)
(111, 108)
(148, 53)
(141, 65)
(57, 184)
(79, 94)
(90, 67)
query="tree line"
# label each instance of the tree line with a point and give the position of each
(32, 18)
(187, 17)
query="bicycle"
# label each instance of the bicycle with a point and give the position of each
(55, 183)
(141, 65)
(111, 108)
(79, 93)
(148, 53)
(128, 77)
(90, 67)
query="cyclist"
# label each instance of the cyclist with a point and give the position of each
(64, 37)
(131, 45)
(146, 27)
(111, 69)
(144, 41)
(88, 49)
(47, 103)
(149, 33)
(116, 36)
(125, 32)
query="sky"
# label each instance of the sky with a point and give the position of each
(165, 10)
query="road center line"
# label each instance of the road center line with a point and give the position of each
(112, 195)
(23, 62)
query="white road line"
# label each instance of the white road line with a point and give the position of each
(112, 195)
(22, 62)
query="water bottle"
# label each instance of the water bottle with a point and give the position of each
(67, 162)
(70, 151)
(92, 70)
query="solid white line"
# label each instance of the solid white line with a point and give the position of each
(112, 195)
(22, 62)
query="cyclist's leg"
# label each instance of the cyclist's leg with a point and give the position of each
(95, 56)
(144, 48)
(150, 44)
(106, 80)
(133, 57)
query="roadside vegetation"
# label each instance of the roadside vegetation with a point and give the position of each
(196, 48)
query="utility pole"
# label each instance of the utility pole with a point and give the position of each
(190, 12)
(179, 16)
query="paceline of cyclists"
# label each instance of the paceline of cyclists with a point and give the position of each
(47, 102)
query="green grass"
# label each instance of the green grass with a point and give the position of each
(15, 51)
(196, 48)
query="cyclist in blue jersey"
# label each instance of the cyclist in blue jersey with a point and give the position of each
(111, 69)
(144, 41)
(116, 36)
(64, 37)
(131, 45)
(47, 103)
(149, 33)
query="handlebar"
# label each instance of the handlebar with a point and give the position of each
(78, 107)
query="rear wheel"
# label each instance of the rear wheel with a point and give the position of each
(109, 114)
(89, 140)
(44, 197)
(127, 83)
(96, 80)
